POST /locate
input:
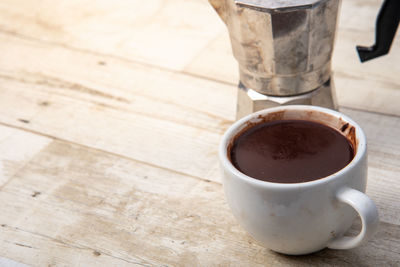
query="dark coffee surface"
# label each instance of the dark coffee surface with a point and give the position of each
(290, 151)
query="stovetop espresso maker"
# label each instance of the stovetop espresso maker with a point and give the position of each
(284, 49)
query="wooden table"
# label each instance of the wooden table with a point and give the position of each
(110, 117)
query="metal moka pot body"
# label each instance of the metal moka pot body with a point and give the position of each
(284, 50)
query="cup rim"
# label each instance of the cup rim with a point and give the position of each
(237, 126)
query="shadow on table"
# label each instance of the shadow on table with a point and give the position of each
(382, 250)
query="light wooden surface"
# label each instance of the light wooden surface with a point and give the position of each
(110, 117)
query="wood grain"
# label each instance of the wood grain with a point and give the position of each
(162, 33)
(99, 107)
(40, 250)
(16, 149)
(110, 78)
(9, 263)
(135, 213)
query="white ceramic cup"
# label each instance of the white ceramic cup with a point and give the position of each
(302, 218)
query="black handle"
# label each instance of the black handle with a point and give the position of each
(386, 27)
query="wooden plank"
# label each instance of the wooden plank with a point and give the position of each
(111, 78)
(157, 141)
(36, 249)
(167, 34)
(216, 61)
(9, 263)
(16, 149)
(372, 86)
(125, 114)
(87, 201)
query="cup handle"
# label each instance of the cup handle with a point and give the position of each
(368, 212)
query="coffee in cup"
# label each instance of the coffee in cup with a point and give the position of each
(290, 151)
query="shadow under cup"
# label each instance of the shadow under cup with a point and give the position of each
(297, 218)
